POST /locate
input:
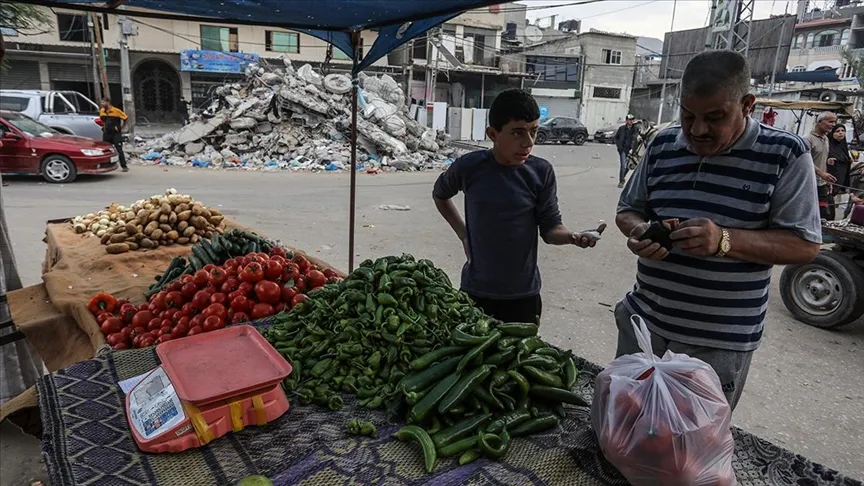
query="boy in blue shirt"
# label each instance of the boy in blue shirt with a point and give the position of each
(509, 195)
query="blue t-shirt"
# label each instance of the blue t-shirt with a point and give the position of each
(504, 207)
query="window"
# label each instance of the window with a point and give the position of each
(608, 93)
(13, 103)
(61, 105)
(73, 27)
(223, 39)
(799, 41)
(798, 69)
(610, 56)
(827, 38)
(844, 37)
(810, 38)
(338, 54)
(8, 32)
(282, 41)
(420, 48)
(79, 102)
(553, 68)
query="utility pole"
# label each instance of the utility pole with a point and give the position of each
(666, 71)
(101, 57)
(408, 80)
(127, 28)
(96, 91)
(777, 52)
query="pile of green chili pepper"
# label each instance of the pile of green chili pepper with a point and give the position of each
(492, 382)
(361, 335)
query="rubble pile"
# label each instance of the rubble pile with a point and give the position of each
(286, 118)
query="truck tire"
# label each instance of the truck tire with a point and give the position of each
(579, 139)
(58, 169)
(826, 292)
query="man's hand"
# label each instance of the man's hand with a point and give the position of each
(825, 176)
(831, 161)
(697, 236)
(588, 239)
(646, 248)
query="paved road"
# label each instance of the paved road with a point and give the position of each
(806, 386)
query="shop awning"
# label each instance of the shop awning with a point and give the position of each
(820, 76)
(835, 106)
(333, 21)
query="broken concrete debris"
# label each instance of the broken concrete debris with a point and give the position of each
(282, 118)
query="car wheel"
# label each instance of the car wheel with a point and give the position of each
(826, 292)
(541, 138)
(58, 169)
(579, 139)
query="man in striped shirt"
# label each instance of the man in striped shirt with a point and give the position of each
(745, 194)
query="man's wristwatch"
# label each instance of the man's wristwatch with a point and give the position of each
(725, 243)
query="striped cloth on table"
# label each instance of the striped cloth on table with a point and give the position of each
(765, 181)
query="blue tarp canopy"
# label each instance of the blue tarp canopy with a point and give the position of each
(333, 21)
(818, 76)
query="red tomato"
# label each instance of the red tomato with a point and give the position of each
(163, 338)
(111, 325)
(272, 270)
(201, 278)
(268, 292)
(280, 260)
(165, 323)
(315, 279)
(288, 293)
(136, 342)
(146, 342)
(189, 290)
(278, 307)
(300, 283)
(240, 304)
(212, 323)
(331, 280)
(239, 317)
(120, 346)
(183, 321)
(209, 267)
(188, 308)
(216, 310)
(175, 286)
(137, 331)
(330, 273)
(185, 278)
(231, 284)
(159, 300)
(302, 263)
(154, 324)
(252, 273)
(127, 333)
(298, 299)
(246, 288)
(218, 298)
(277, 251)
(103, 316)
(197, 320)
(234, 295)
(127, 312)
(201, 300)
(115, 338)
(164, 330)
(261, 310)
(141, 318)
(291, 272)
(180, 330)
(174, 300)
(169, 314)
(217, 277)
(195, 330)
(142, 307)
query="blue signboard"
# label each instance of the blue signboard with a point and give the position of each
(544, 112)
(215, 62)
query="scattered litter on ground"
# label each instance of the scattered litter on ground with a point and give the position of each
(281, 118)
(394, 207)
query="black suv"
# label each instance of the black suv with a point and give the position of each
(562, 129)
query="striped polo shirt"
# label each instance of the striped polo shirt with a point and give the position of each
(764, 181)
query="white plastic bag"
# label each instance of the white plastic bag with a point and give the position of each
(663, 421)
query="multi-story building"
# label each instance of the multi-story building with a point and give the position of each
(824, 38)
(58, 57)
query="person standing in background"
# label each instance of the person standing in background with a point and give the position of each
(625, 138)
(839, 163)
(817, 139)
(113, 123)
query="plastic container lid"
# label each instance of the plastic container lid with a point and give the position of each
(221, 364)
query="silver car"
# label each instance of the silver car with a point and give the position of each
(67, 112)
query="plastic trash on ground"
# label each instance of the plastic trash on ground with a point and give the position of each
(663, 421)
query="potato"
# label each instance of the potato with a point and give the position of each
(206, 213)
(172, 235)
(132, 245)
(129, 216)
(148, 206)
(166, 228)
(116, 248)
(118, 238)
(181, 207)
(208, 234)
(163, 219)
(216, 220)
(166, 208)
(182, 240)
(146, 243)
(215, 212)
(151, 227)
(139, 237)
(197, 210)
(156, 234)
(143, 216)
(184, 216)
(131, 228)
(154, 215)
(172, 218)
(194, 239)
(105, 238)
(198, 222)
(189, 231)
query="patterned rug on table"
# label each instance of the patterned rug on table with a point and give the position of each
(87, 442)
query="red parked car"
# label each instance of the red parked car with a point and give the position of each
(29, 147)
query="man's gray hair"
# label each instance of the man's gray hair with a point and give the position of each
(711, 72)
(825, 114)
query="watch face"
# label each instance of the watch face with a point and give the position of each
(725, 246)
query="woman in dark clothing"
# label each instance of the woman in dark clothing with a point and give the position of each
(839, 162)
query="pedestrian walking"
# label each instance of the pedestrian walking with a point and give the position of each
(817, 139)
(625, 139)
(113, 123)
(745, 196)
(509, 194)
(839, 165)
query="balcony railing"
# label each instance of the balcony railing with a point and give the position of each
(814, 51)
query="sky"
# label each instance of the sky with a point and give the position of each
(647, 18)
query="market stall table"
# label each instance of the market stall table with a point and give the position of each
(87, 441)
